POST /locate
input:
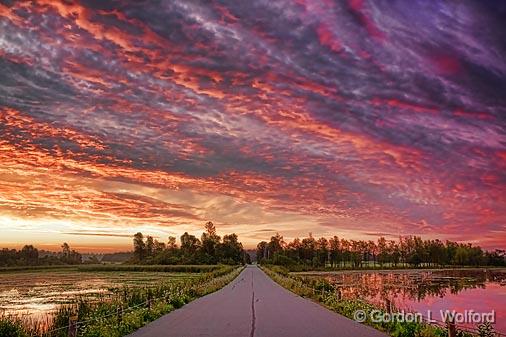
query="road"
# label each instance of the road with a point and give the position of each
(253, 305)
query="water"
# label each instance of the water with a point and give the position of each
(428, 292)
(38, 294)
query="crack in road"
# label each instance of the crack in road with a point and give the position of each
(231, 312)
(253, 317)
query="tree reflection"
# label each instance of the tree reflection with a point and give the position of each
(387, 289)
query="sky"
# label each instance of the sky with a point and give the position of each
(350, 118)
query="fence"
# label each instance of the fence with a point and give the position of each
(175, 292)
(73, 327)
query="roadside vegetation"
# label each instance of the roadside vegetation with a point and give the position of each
(209, 263)
(323, 292)
(125, 310)
(408, 252)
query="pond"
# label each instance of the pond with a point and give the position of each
(428, 292)
(39, 293)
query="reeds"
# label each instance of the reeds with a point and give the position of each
(123, 311)
(322, 291)
(151, 268)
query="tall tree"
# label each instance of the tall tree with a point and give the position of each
(372, 250)
(171, 243)
(210, 240)
(210, 229)
(394, 253)
(322, 251)
(192, 250)
(295, 249)
(261, 251)
(275, 245)
(65, 249)
(158, 247)
(308, 248)
(139, 247)
(189, 244)
(382, 251)
(335, 251)
(231, 249)
(150, 246)
(345, 248)
(29, 255)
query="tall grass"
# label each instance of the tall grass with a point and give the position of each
(370, 266)
(151, 268)
(45, 268)
(11, 328)
(119, 267)
(124, 311)
(322, 291)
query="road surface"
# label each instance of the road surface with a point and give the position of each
(253, 305)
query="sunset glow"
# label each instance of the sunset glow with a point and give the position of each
(356, 119)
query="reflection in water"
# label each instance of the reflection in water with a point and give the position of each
(423, 291)
(36, 295)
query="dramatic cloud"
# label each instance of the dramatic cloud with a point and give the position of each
(336, 117)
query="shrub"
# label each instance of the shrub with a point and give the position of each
(10, 328)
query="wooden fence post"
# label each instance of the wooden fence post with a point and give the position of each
(119, 313)
(72, 326)
(452, 331)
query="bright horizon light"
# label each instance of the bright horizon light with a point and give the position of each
(356, 119)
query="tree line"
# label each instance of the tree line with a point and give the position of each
(209, 249)
(31, 256)
(407, 251)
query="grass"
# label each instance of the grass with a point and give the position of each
(125, 311)
(366, 266)
(50, 288)
(150, 268)
(9, 328)
(323, 292)
(117, 267)
(35, 268)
